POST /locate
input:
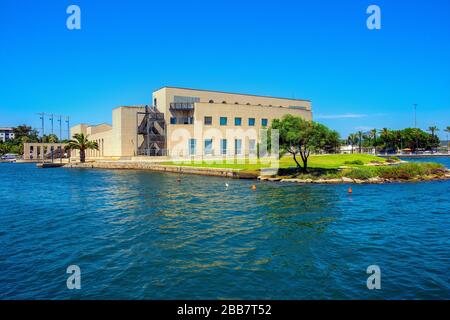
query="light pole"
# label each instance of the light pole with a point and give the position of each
(42, 116)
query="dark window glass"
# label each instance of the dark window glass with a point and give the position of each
(264, 122)
(208, 121)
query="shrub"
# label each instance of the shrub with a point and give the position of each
(359, 173)
(355, 162)
(410, 170)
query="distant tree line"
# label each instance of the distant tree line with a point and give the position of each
(24, 134)
(386, 140)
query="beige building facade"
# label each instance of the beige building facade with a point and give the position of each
(186, 123)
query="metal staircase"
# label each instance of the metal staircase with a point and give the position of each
(153, 130)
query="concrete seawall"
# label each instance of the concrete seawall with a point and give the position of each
(134, 165)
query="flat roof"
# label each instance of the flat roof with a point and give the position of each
(243, 94)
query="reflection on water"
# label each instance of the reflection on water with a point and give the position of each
(138, 234)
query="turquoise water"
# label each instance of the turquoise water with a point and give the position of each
(143, 235)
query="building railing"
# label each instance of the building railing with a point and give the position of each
(182, 106)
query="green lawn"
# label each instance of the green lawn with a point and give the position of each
(332, 161)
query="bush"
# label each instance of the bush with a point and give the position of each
(355, 162)
(359, 173)
(410, 170)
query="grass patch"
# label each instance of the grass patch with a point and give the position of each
(333, 161)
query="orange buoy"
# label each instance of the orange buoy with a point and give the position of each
(350, 190)
(253, 187)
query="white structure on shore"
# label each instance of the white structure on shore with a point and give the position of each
(6, 133)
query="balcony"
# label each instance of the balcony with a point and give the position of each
(181, 106)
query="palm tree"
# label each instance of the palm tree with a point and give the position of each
(433, 130)
(373, 135)
(385, 137)
(81, 142)
(352, 139)
(447, 129)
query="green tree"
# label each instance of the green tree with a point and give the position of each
(433, 130)
(3, 148)
(51, 138)
(301, 137)
(447, 129)
(334, 142)
(80, 142)
(352, 140)
(25, 131)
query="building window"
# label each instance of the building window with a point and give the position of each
(208, 147)
(155, 104)
(223, 121)
(264, 122)
(192, 147)
(208, 121)
(251, 122)
(211, 101)
(224, 102)
(252, 146)
(223, 147)
(237, 121)
(237, 146)
(173, 120)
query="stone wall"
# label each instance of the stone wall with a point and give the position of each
(134, 165)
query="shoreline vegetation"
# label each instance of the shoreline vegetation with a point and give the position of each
(338, 168)
(323, 169)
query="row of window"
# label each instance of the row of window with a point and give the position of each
(208, 147)
(208, 121)
(237, 121)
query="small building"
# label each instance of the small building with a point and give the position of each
(6, 134)
(186, 123)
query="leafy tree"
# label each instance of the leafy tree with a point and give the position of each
(447, 129)
(3, 149)
(80, 142)
(25, 131)
(51, 138)
(334, 142)
(301, 137)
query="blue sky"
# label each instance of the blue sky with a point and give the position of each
(318, 50)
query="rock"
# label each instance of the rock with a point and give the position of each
(333, 181)
(290, 180)
(375, 180)
(347, 180)
(274, 179)
(358, 181)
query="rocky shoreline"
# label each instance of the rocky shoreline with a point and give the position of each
(345, 180)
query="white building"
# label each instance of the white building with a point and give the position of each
(6, 134)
